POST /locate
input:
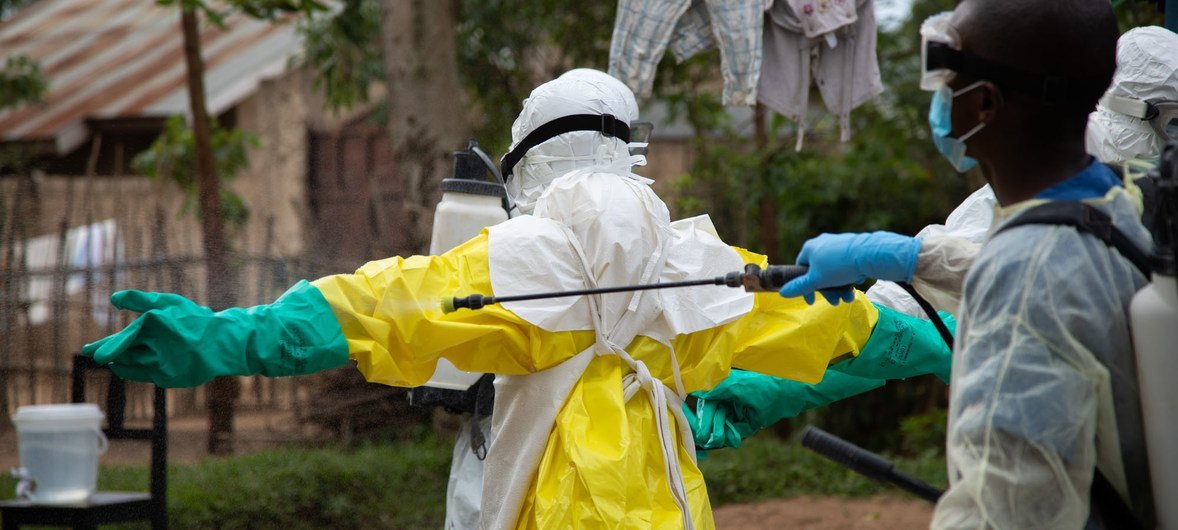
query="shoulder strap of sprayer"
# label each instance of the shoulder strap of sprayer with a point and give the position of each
(1085, 218)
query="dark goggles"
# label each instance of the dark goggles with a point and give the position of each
(941, 56)
(1162, 114)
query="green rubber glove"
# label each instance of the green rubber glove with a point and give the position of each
(746, 402)
(902, 346)
(177, 343)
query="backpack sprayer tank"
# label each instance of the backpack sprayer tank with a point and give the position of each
(1153, 318)
(469, 203)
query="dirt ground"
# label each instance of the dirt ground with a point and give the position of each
(256, 432)
(827, 513)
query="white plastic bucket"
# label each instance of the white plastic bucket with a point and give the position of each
(59, 448)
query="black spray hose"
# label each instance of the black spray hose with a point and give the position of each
(932, 313)
(865, 462)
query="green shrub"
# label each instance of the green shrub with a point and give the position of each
(925, 432)
(767, 468)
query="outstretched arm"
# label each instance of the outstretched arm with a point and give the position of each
(386, 316)
(177, 343)
(901, 346)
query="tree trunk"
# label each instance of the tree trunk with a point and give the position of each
(768, 209)
(221, 392)
(427, 111)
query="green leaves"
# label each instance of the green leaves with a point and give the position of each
(260, 9)
(21, 81)
(508, 47)
(173, 156)
(343, 50)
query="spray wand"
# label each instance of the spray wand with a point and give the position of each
(753, 279)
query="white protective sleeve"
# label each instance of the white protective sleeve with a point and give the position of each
(941, 267)
(946, 253)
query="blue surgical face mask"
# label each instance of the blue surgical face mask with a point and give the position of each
(940, 121)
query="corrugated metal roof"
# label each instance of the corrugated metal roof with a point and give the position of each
(113, 59)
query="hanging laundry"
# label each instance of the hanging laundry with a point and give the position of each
(644, 28)
(828, 42)
(91, 246)
(693, 32)
(94, 247)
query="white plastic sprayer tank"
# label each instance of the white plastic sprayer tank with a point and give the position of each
(468, 205)
(1154, 321)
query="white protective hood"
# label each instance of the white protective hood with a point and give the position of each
(581, 188)
(1147, 68)
(579, 91)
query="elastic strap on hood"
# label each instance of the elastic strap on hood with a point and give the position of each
(606, 124)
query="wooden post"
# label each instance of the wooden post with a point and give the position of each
(428, 118)
(767, 208)
(222, 392)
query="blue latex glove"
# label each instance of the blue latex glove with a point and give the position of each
(846, 259)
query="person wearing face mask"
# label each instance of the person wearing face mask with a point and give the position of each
(589, 429)
(1136, 117)
(1044, 422)
(1144, 87)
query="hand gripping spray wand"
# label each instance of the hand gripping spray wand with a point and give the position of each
(753, 279)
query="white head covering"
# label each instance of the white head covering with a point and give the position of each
(1147, 68)
(579, 91)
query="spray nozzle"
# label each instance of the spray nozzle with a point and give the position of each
(754, 279)
(451, 304)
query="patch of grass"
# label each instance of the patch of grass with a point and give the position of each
(379, 486)
(767, 468)
(403, 484)
(397, 485)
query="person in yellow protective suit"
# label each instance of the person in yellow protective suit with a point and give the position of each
(588, 420)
